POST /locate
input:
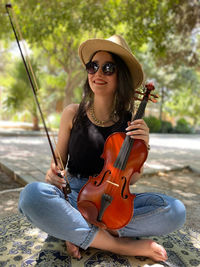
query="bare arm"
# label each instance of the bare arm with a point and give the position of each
(62, 146)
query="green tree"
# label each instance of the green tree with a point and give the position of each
(19, 96)
(58, 27)
(184, 101)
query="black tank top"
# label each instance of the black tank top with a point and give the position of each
(86, 146)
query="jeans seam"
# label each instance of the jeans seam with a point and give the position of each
(150, 213)
(139, 217)
(88, 240)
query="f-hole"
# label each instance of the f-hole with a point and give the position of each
(109, 172)
(122, 192)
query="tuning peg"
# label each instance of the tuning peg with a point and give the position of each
(138, 92)
(153, 100)
(150, 86)
(137, 98)
(154, 95)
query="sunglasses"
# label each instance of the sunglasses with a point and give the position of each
(108, 68)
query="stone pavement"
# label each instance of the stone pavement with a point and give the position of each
(26, 155)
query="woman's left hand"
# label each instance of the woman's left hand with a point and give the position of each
(138, 130)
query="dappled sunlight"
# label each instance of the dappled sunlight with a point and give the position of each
(194, 238)
(27, 141)
(184, 194)
(8, 206)
(176, 141)
(183, 185)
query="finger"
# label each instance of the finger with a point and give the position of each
(141, 137)
(54, 168)
(138, 132)
(139, 121)
(137, 126)
(55, 180)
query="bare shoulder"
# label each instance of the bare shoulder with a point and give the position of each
(68, 114)
(71, 109)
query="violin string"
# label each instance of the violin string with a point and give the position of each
(124, 153)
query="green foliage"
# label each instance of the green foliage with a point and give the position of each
(182, 126)
(166, 127)
(164, 24)
(157, 126)
(19, 93)
(159, 32)
(153, 123)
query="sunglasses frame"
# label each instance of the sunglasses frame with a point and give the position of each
(94, 66)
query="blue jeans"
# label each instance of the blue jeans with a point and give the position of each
(45, 206)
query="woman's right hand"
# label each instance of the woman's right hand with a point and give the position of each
(53, 178)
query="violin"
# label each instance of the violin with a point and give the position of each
(105, 200)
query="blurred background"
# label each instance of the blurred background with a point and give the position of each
(164, 36)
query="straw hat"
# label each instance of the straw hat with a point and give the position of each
(117, 45)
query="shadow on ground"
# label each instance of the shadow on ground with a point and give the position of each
(183, 184)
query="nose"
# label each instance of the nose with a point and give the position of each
(100, 71)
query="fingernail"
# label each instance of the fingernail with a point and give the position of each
(63, 185)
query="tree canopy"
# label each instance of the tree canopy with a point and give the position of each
(163, 34)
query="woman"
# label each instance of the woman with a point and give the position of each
(113, 75)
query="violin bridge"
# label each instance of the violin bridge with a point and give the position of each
(112, 183)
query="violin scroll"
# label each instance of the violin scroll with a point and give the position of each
(147, 93)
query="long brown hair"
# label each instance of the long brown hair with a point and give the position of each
(124, 100)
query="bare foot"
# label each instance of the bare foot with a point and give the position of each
(73, 250)
(150, 249)
(143, 247)
(128, 246)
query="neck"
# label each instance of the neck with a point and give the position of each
(103, 108)
(101, 112)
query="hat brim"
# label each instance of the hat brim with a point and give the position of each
(89, 47)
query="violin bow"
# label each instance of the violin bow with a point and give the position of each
(67, 189)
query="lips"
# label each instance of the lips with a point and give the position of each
(99, 81)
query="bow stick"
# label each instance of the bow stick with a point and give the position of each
(67, 189)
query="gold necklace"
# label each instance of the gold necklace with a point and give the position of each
(97, 121)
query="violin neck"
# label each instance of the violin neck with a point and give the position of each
(140, 112)
(125, 150)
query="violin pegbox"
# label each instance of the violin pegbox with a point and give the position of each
(147, 89)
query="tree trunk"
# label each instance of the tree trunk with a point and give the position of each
(35, 123)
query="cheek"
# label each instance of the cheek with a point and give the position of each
(90, 80)
(114, 83)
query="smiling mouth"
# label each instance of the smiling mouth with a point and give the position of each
(99, 82)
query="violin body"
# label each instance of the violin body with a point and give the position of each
(105, 200)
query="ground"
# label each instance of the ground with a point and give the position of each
(182, 184)
(9, 195)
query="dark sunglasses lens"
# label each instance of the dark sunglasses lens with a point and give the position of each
(109, 68)
(91, 67)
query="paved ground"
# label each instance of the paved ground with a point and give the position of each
(9, 195)
(25, 156)
(182, 184)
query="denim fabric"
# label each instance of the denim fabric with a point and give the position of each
(45, 206)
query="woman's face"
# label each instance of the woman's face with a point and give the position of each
(100, 83)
